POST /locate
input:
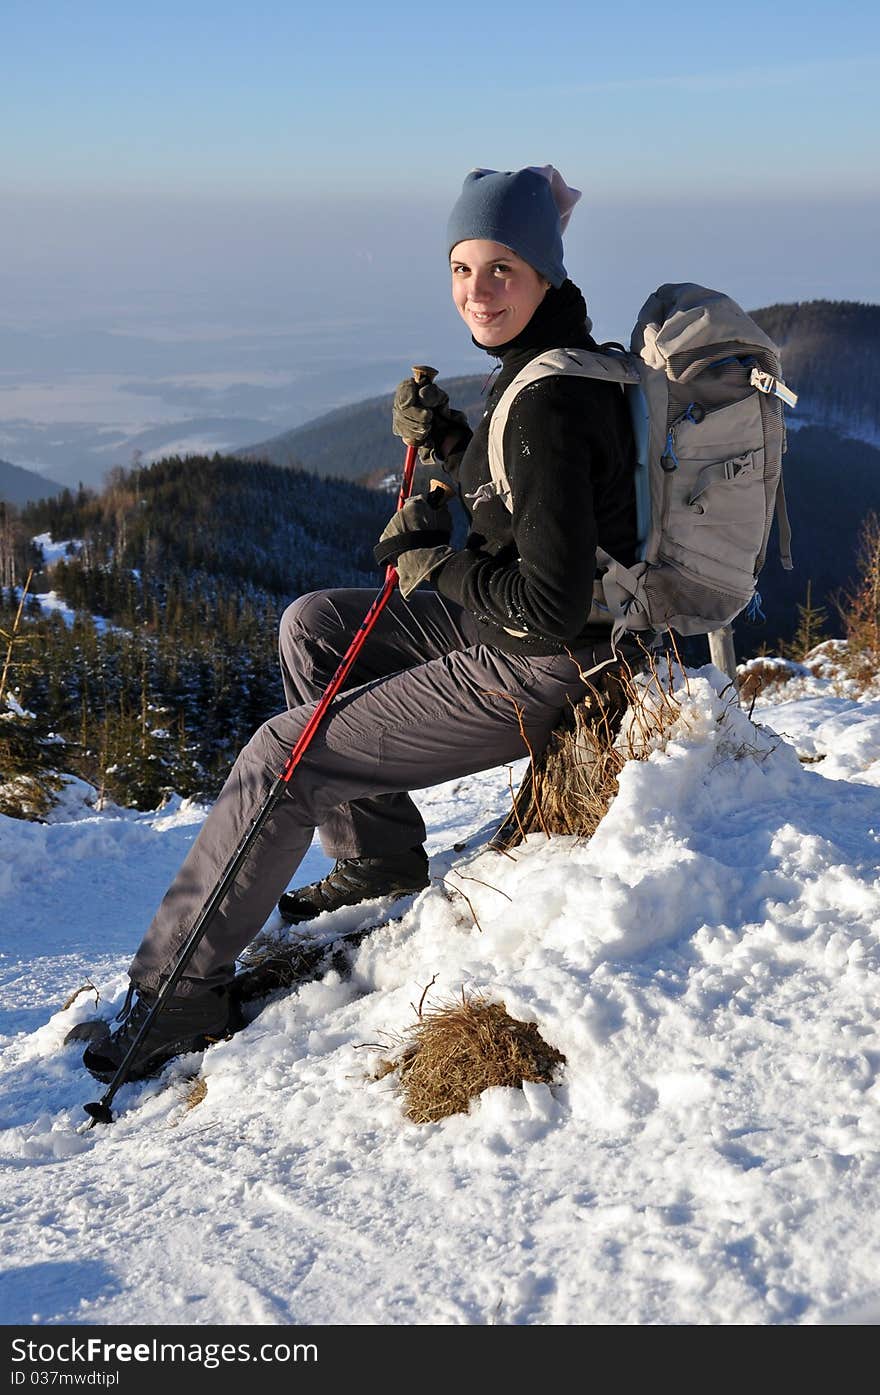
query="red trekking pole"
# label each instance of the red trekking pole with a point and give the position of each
(99, 1111)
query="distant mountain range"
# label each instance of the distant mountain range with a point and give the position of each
(18, 486)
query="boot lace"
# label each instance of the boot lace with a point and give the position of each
(132, 1013)
(124, 1011)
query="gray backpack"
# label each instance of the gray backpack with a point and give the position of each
(705, 392)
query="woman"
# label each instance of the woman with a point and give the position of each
(452, 679)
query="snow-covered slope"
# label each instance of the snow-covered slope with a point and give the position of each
(711, 1154)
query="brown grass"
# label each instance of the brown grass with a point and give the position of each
(88, 987)
(763, 674)
(196, 1092)
(859, 609)
(455, 1051)
(570, 786)
(271, 964)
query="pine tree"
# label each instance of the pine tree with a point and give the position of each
(811, 629)
(859, 607)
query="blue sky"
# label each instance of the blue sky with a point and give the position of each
(198, 171)
(295, 100)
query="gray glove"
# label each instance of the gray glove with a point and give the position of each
(423, 417)
(416, 540)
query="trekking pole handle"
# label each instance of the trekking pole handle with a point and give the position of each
(422, 374)
(439, 492)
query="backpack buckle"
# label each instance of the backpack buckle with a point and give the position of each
(765, 382)
(735, 467)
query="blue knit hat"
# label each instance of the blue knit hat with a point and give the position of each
(526, 210)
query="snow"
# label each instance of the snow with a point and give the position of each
(56, 551)
(15, 707)
(194, 444)
(710, 1153)
(840, 735)
(53, 601)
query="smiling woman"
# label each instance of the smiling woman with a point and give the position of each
(451, 681)
(505, 248)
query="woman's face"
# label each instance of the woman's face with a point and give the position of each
(495, 291)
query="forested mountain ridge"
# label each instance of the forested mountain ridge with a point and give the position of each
(830, 353)
(280, 530)
(189, 564)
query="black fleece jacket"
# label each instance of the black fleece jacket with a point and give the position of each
(569, 456)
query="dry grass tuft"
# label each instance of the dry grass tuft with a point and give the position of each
(569, 788)
(282, 963)
(88, 987)
(578, 778)
(457, 1050)
(761, 675)
(196, 1092)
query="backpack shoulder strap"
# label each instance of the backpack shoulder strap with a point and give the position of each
(577, 363)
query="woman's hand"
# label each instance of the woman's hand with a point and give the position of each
(416, 540)
(423, 417)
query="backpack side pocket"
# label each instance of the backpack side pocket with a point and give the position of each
(714, 528)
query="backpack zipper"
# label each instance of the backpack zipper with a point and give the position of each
(695, 413)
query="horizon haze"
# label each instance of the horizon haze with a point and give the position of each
(252, 233)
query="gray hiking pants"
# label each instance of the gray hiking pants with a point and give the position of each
(424, 703)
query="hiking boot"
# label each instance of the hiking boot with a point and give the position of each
(356, 879)
(184, 1024)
